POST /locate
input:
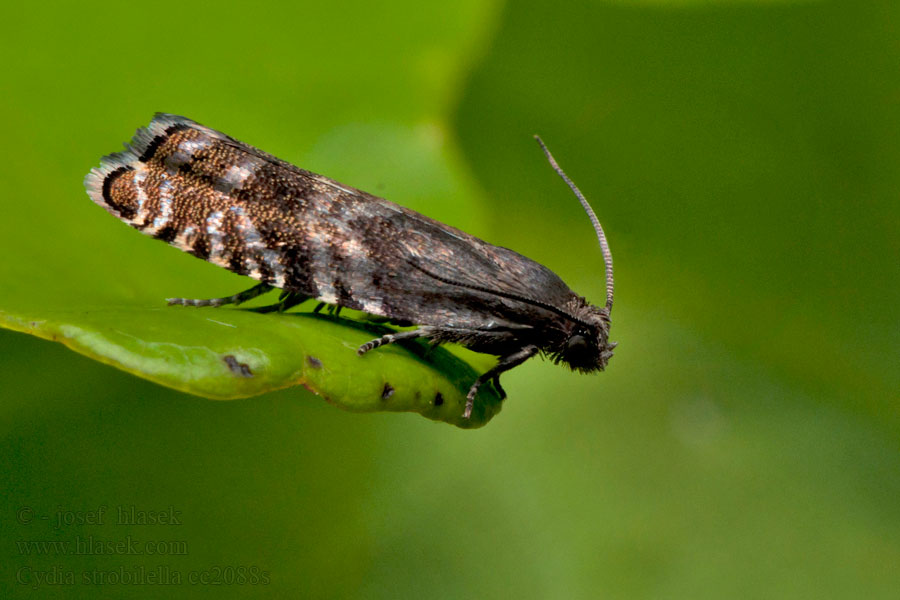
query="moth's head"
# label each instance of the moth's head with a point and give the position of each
(587, 347)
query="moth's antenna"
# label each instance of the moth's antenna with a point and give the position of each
(607, 256)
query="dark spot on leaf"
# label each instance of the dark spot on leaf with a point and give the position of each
(438, 399)
(238, 368)
(314, 362)
(387, 392)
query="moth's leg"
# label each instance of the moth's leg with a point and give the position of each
(390, 339)
(498, 387)
(333, 309)
(293, 300)
(253, 292)
(288, 300)
(504, 364)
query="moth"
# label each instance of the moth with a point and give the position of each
(314, 238)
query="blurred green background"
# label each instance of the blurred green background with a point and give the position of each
(743, 442)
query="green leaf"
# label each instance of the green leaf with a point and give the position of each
(81, 278)
(225, 354)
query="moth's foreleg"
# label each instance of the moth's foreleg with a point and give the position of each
(504, 364)
(286, 300)
(390, 339)
(244, 296)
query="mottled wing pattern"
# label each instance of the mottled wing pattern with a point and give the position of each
(240, 208)
(190, 186)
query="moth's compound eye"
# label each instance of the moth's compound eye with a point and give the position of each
(578, 343)
(581, 352)
(578, 352)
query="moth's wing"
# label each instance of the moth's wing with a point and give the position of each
(450, 276)
(217, 198)
(442, 276)
(234, 205)
(450, 255)
(163, 121)
(432, 254)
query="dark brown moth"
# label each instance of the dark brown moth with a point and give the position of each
(240, 208)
